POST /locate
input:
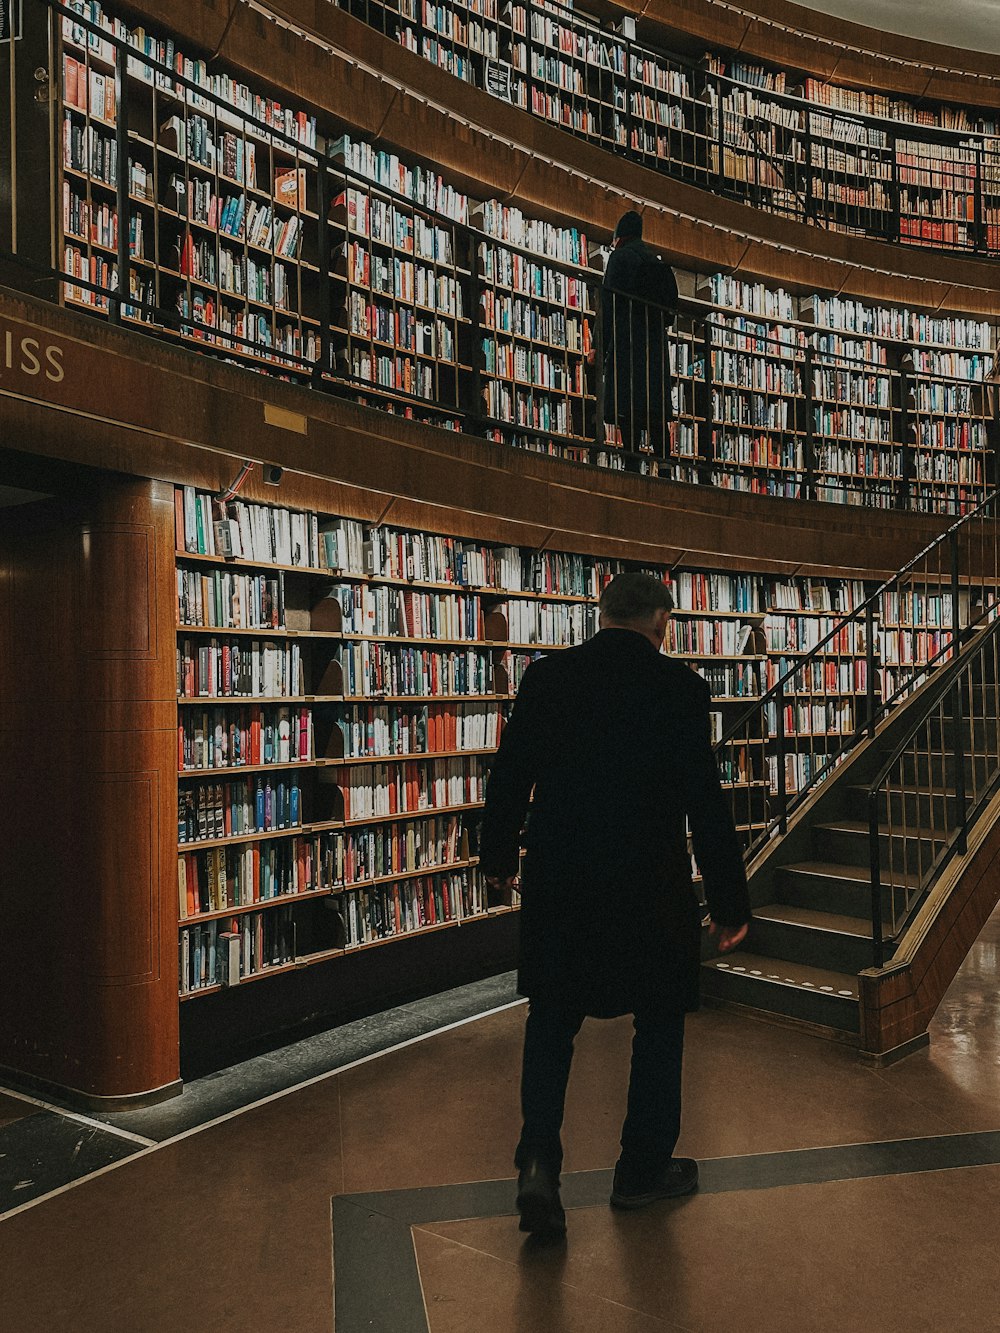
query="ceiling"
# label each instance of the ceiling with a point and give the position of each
(973, 25)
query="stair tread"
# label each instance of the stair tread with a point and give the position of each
(910, 791)
(861, 826)
(780, 973)
(806, 916)
(840, 870)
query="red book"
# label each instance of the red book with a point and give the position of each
(191, 872)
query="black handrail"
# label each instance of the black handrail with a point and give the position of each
(753, 722)
(947, 686)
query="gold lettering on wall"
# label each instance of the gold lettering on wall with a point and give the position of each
(36, 358)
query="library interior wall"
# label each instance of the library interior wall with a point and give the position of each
(81, 711)
(492, 149)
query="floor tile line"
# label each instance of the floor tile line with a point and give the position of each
(370, 1236)
(576, 1287)
(155, 1146)
(340, 1129)
(76, 1115)
(884, 1077)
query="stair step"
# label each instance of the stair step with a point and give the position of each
(858, 875)
(846, 840)
(831, 886)
(813, 994)
(793, 934)
(916, 804)
(833, 922)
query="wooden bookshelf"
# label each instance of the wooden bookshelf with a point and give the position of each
(399, 264)
(410, 296)
(220, 223)
(351, 602)
(535, 329)
(884, 165)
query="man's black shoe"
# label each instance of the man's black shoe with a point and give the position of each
(538, 1200)
(679, 1176)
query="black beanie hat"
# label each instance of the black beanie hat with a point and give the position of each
(629, 225)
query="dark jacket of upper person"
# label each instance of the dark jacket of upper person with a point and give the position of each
(637, 379)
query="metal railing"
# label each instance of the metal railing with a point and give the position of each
(896, 180)
(819, 704)
(933, 786)
(664, 400)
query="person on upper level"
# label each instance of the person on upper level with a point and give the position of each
(638, 299)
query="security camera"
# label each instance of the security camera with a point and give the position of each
(273, 474)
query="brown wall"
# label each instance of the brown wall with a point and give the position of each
(138, 406)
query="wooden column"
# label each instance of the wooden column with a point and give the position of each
(88, 789)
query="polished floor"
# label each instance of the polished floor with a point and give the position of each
(837, 1197)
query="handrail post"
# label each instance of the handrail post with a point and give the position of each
(958, 758)
(116, 308)
(596, 295)
(870, 667)
(325, 359)
(779, 704)
(957, 712)
(954, 556)
(875, 862)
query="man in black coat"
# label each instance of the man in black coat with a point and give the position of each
(637, 379)
(610, 741)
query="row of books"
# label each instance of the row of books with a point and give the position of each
(377, 730)
(384, 850)
(791, 633)
(241, 736)
(231, 668)
(232, 809)
(224, 953)
(384, 222)
(386, 911)
(402, 328)
(402, 613)
(416, 183)
(273, 534)
(526, 364)
(372, 669)
(523, 319)
(408, 786)
(213, 879)
(236, 98)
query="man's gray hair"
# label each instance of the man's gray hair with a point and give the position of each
(634, 597)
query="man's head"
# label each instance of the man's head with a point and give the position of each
(638, 602)
(629, 227)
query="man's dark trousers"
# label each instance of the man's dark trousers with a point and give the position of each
(652, 1124)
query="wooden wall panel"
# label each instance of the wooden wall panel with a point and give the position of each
(182, 417)
(123, 899)
(898, 1005)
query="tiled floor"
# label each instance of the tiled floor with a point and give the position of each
(228, 1227)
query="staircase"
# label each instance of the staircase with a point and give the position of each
(859, 847)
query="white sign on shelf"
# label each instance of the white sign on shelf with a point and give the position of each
(498, 82)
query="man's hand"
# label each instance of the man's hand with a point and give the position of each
(591, 357)
(728, 938)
